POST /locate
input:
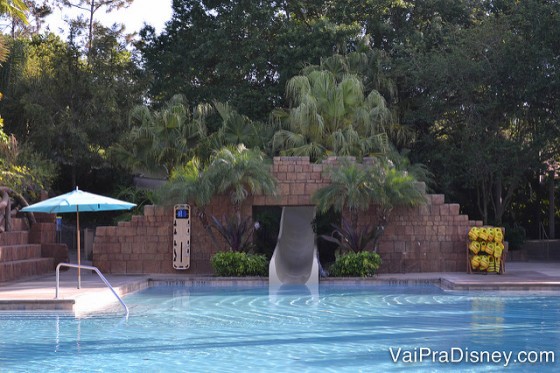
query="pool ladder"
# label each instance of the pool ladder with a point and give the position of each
(96, 271)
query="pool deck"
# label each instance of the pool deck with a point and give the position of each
(38, 293)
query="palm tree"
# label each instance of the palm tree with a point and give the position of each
(187, 183)
(236, 128)
(331, 115)
(240, 172)
(357, 187)
(162, 139)
(15, 9)
(368, 66)
(351, 188)
(397, 188)
(234, 170)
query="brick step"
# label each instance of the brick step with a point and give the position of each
(19, 269)
(19, 252)
(14, 238)
(20, 224)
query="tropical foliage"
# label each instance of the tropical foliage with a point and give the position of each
(362, 264)
(22, 170)
(239, 264)
(467, 88)
(240, 172)
(350, 239)
(237, 233)
(234, 171)
(330, 116)
(357, 187)
(163, 139)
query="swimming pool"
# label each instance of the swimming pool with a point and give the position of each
(233, 329)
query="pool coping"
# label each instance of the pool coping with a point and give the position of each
(37, 294)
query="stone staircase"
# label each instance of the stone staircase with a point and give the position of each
(18, 257)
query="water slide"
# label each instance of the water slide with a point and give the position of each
(295, 257)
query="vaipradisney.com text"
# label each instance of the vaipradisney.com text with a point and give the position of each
(455, 355)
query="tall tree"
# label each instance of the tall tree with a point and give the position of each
(490, 104)
(90, 7)
(70, 112)
(241, 52)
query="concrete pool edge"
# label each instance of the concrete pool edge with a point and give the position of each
(37, 294)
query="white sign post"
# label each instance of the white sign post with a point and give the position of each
(182, 237)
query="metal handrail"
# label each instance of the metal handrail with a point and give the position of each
(542, 232)
(90, 268)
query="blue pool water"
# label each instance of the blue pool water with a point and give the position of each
(238, 329)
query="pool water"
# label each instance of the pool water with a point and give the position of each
(244, 329)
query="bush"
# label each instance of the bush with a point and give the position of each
(362, 264)
(230, 263)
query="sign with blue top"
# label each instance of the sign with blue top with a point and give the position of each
(182, 237)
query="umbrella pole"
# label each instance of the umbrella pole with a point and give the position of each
(78, 241)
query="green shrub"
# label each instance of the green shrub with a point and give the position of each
(362, 264)
(230, 263)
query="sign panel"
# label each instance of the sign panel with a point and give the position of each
(182, 237)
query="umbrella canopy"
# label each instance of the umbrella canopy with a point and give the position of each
(78, 201)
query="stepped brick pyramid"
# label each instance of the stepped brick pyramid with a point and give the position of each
(428, 238)
(27, 252)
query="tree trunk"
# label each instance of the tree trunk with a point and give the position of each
(90, 30)
(551, 209)
(498, 201)
(354, 219)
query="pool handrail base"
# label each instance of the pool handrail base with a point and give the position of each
(80, 266)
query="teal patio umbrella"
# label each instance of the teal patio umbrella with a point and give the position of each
(78, 201)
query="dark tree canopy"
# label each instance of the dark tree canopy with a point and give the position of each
(241, 52)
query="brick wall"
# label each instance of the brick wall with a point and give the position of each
(429, 238)
(43, 232)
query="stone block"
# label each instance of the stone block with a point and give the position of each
(301, 176)
(297, 188)
(317, 168)
(161, 211)
(311, 188)
(151, 267)
(149, 210)
(126, 248)
(446, 247)
(118, 267)
(59, 252)
(134, 267)
(437, 199)
(454, 209)
(419, 230)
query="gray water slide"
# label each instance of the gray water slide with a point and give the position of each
(295, 257)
